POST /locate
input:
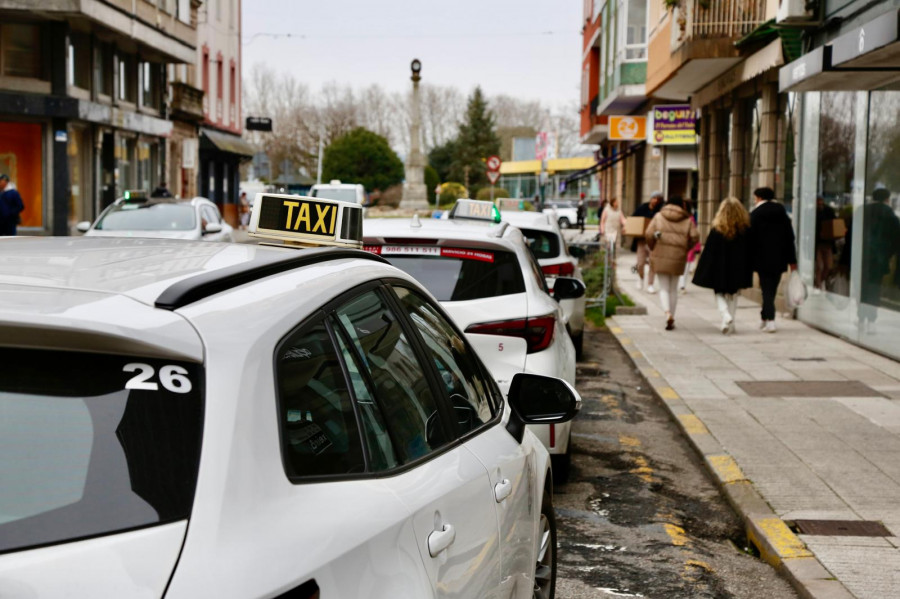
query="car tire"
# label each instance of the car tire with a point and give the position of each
(578, 342)
(545, 564)
(562, 464)
(564, 223)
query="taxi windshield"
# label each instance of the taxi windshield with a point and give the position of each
(92, 444)
(452, 279)
(335, 193)
(148, 216)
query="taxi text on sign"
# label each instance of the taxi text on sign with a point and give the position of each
(298, 216)
(627, 128)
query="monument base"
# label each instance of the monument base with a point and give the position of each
(415, 197)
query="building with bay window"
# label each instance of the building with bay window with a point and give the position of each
(83, 101)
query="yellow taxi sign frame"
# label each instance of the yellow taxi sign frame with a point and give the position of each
(482, 210)
(306, 221)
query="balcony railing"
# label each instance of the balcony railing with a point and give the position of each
(718, 18)
(187, 101)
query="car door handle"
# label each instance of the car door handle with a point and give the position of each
(439, 540)
(502, 489)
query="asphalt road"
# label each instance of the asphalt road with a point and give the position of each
(639, 516)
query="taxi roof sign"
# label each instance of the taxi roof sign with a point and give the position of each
(135, 194)
(306, 221)
(475, 210)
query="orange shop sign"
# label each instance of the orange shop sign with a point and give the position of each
(627, 128)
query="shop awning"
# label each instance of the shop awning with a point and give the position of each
(606, 163)
(225, 142)
(772, 55)
(867, 57)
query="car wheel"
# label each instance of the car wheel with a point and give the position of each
(561, 465)
(564, 222)
(545, 565)
(578, 342)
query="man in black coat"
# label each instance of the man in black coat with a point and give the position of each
(772, 247)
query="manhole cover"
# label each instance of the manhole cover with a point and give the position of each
(807, 389)
(842, 528)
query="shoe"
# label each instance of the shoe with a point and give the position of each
(727, 326)
(651, 290)
(670, 324)
(770, 326)
(762, 325)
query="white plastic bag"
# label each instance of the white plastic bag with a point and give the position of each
(795, 291)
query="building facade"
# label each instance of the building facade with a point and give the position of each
(846, 92)
(82, 101)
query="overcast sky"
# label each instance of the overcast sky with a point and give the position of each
(530, 49)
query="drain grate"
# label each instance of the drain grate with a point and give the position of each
(842, 528)
(807, 389)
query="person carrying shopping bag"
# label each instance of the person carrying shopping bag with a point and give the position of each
(726, 266)
(669, 236)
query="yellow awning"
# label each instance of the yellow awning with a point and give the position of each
(533, 167)
(521, 167)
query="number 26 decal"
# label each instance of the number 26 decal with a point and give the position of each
(173, 378)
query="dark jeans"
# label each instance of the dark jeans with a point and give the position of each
(769, 284)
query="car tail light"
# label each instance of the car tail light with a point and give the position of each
(552, 435)
(537, 332)
(566, 269)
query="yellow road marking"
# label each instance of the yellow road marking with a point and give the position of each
(625, 341)
(785, 542)
(615, 330)
(629, 441)
(667, 393)
(676, 533)
(726, 468)
(693, 425)
(652, 374)
(696, 563)
(613, 405)
(643, 469)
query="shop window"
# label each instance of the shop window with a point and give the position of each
(128, 78)
(126, 156)
(21, 157)
(103, 69)
(20, 51)
(79, 157)
(79, 61)
(150, 84)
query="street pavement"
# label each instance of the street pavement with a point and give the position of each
(821, 452)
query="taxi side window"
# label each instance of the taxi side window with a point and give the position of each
(209, 215)
(399, 381)
(319, 431)
(457, 367)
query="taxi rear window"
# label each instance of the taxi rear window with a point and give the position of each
(335, 193)
(459, 274)
(148, 217)
(92, 444)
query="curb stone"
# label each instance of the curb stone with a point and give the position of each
(776, 543)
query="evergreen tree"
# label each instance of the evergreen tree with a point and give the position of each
(476, 141)
(361, 156)
(441, 159)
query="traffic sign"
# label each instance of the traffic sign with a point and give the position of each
(493, 163)
(493, 176)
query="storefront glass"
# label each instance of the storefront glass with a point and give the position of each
(126, 159)
(22, 158)
(79, 158)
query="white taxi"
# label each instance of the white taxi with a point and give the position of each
(185, 419)
(549, 246)
(138, 215)
(487, 279)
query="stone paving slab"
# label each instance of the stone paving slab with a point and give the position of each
(782, 458)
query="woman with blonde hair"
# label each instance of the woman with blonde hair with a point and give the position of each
(725, 265)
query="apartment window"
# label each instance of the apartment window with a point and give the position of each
(79, 60)
(634, 29)
(205, 82)
(218, 4)
(150, 84)
(184, 11)
(220, 84)
(20, 51)
(232, 96)
(103, 69)
(128, 78)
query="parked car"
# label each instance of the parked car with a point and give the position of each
(187, 419)
(345, 192)
(488, 280)
(137, 215)
(548, 245)
(565, 212)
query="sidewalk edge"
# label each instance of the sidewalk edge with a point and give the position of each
(776, 543)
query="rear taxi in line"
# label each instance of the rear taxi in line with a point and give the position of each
(185, 419)
(487, 279)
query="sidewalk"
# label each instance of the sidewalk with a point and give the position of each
(818, 451)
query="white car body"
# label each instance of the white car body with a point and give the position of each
(565, 214)
(335, 190)
(504, 355)
(206, 224)
(245, 529)
(555, 260)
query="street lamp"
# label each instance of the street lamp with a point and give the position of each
(416, 66)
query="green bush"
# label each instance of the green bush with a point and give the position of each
(485, 193)
(432, 180)
(451, 191)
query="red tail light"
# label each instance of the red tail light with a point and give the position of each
(552, 435)
(566, 269)
(537, 332)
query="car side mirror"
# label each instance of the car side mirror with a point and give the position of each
(83, 226)
(538, 399)
(567, 288)
(212, 228)
(576, 252)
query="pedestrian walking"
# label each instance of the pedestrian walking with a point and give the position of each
(11, 207)
(580, 212)
(644, 269)
(612, 225)
(670, 235)
(772, 248)
(245, 210)
(692, 253)
(725, 265)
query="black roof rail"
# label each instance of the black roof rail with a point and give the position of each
(196, 288)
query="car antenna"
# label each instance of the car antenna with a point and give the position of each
(415, 223)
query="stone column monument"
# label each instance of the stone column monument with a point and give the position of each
(415, 195)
